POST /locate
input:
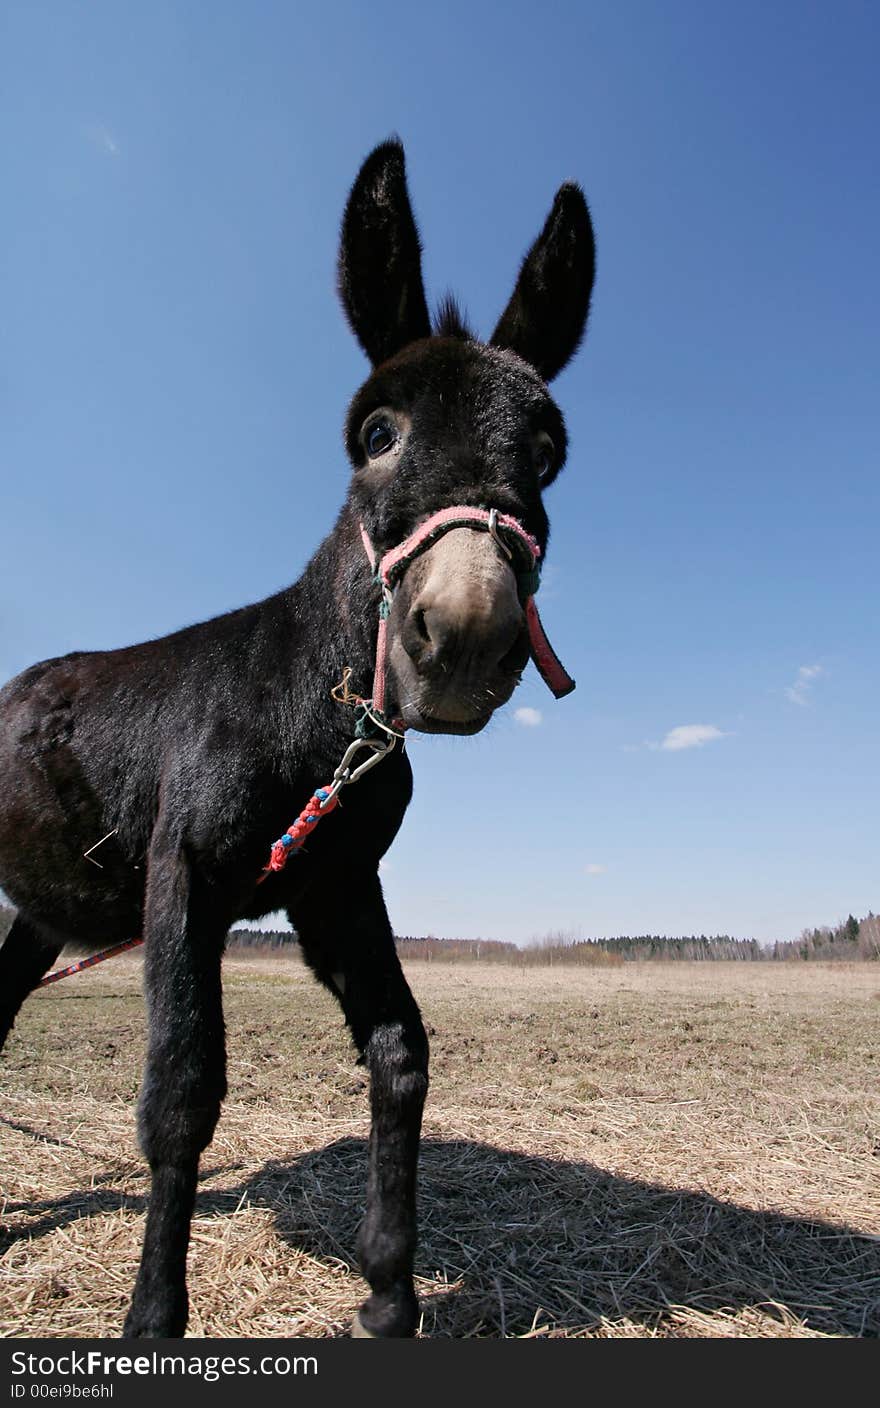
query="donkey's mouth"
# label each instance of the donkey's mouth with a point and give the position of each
(434, 723)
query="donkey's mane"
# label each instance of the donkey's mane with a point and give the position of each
(449, 319)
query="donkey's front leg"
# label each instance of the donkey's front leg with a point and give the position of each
(184, 1083)
(346, 937)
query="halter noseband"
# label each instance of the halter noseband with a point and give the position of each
(512, 538)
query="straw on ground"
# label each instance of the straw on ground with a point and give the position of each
(655, 1150)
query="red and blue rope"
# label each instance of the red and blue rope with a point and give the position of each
(292, 841)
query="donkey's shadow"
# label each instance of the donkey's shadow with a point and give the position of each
(516, 1244)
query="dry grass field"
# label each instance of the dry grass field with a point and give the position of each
(672, 1150)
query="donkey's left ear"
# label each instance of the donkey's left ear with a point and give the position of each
(546, 316)
(380, 264)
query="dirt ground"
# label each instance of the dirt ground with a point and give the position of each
(652, 1150)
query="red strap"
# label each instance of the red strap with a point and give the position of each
(379, 672)
(550, 668)
(368, 547)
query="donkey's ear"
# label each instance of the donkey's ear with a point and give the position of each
(380, 266)
(545, 318)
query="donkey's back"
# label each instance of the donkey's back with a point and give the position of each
(90, 742)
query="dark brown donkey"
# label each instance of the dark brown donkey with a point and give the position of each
(197, 750)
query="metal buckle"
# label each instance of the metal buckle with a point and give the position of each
(345, 774)
(496, 534)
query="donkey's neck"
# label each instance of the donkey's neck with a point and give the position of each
(337, 609)
(319, 628)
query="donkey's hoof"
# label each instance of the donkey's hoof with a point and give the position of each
(155, 1322)
(393, 1315)
(359, 1330)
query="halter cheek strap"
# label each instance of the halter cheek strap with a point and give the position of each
(512, 538)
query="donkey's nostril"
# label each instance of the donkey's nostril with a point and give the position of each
(516, 658)
(448, 637)
(417, 639)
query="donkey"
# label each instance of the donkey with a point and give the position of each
(193, 751)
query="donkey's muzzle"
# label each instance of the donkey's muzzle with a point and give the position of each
(463, 634)
(456, 635)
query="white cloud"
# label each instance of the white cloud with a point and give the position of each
(529, 718)
(689, 736)
(800, 691)
(100, 137)
(593, 869)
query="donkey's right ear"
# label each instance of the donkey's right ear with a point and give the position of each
(380, 266)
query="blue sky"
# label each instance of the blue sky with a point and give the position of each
(175, 370)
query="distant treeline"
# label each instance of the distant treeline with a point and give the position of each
(260, 938)
(559, 948)
(854, 939)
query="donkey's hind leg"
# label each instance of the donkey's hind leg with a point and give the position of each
(26, 955)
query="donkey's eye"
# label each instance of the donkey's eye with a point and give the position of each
(544, 454)
(380, 437)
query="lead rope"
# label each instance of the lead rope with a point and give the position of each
(88, 962)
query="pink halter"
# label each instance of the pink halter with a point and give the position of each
(390, 568)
